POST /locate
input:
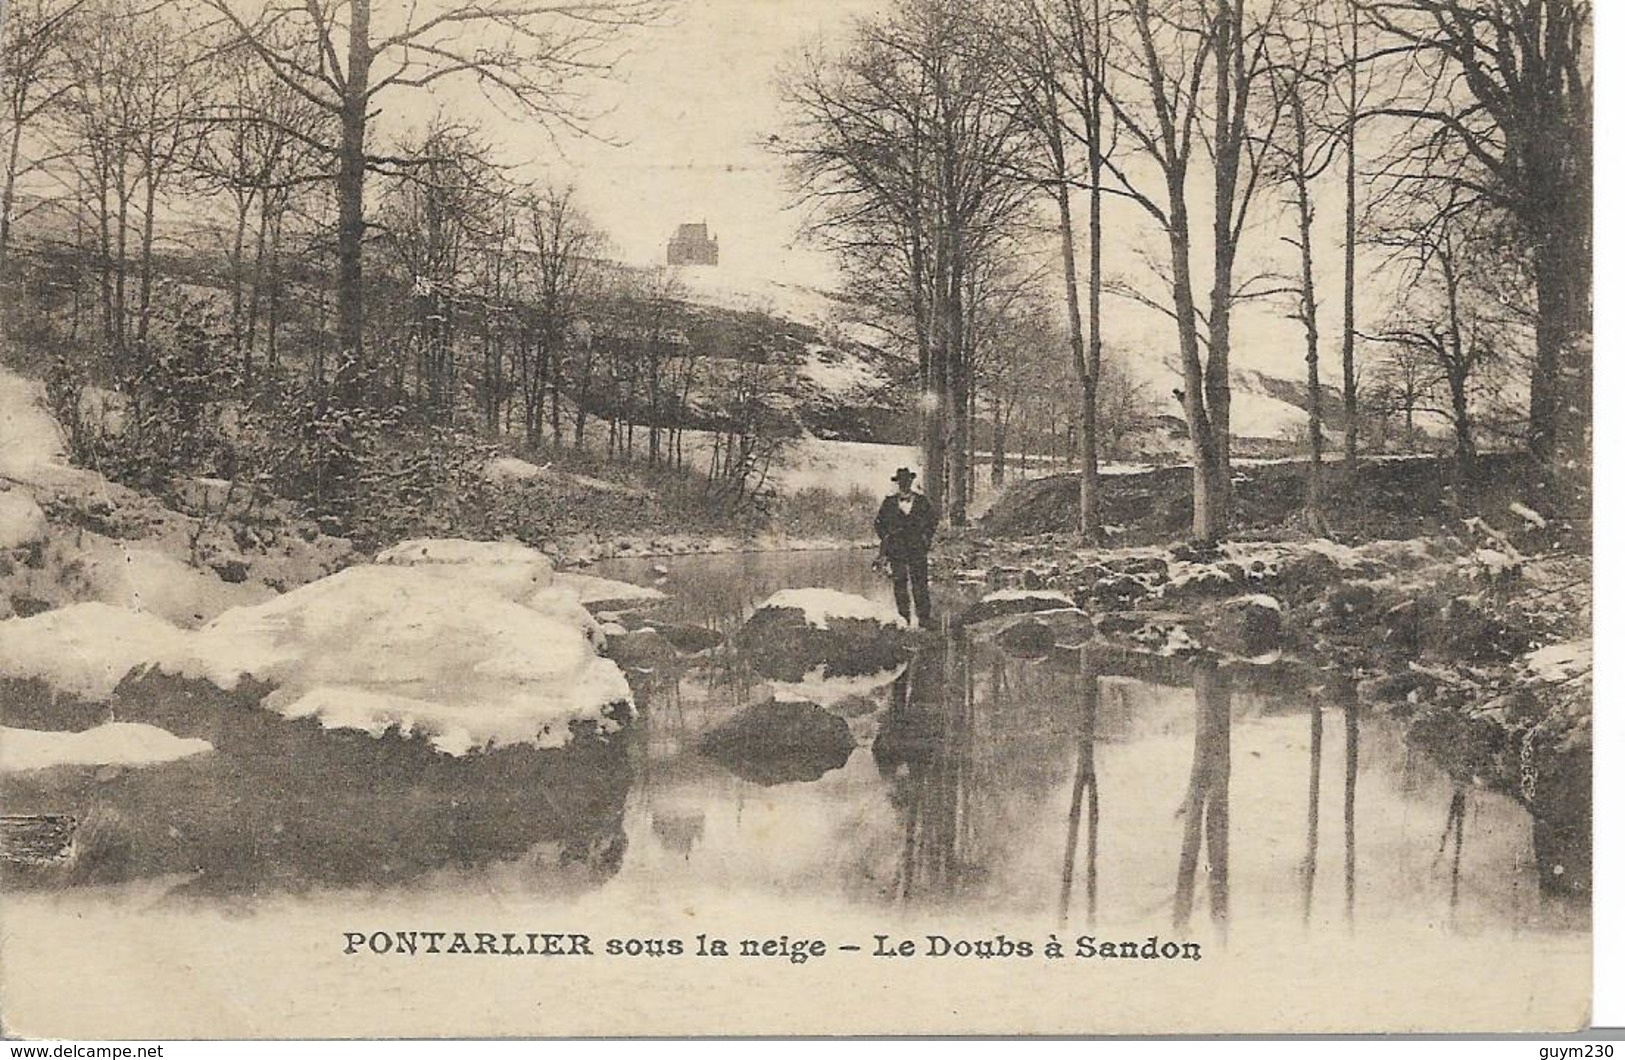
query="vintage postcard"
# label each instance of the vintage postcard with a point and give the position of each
(794, 517)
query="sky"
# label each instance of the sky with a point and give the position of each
(678, 137)
(680, 130)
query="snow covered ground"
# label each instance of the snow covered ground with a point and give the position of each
(510, 570)
(745, 291)
(844, 466)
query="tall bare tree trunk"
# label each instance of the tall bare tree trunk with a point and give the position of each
(936, 396)
(1207, 473)
(1088, 484)
(1351, 429)
(1230, 131)
(8, 193)
(1307, 310)
(349, 381)
(1560, 386)
(1090, 499)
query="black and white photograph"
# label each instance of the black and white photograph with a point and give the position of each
(604, 518)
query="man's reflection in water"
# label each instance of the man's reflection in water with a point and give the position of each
(924, 746)
(1207, 800)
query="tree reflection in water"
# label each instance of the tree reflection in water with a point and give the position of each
(1351, 775)
(1207, 800)
(1343, 693)
(1311, 853)
(1085, 782)
(1454, 820)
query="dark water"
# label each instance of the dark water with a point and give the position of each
(965, 782)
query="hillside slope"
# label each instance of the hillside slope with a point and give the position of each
(1269, 412)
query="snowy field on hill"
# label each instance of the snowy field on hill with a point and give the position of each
(744, 291)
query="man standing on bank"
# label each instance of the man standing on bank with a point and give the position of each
(905, 525)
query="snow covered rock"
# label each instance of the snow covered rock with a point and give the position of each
(86, 649)
(22, 523)
(112, 744)
(1158, 632)
(512, 469)
(512, 571)
(606, 594)
(1199, 581)
(1532, 519)
(1492, 565)
(148, 580)
(380, 647)
(32, 446)
(1117, 591)
(846, 696)
(798, 630)
(1007, 602)
(1559, 663)
(1246, 626)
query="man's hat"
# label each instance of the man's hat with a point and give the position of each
(903, 477)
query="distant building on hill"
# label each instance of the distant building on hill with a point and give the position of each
(692, 245)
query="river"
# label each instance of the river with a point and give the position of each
(1329, 874)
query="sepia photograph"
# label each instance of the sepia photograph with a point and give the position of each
(611, 518)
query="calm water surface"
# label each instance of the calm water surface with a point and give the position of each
(968, 783)
(989, 784)
(1335, 878)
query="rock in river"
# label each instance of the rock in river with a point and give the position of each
(798, 630)
(1008, 602)
(1247, 626)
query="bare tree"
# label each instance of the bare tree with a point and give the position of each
(131, 119)
(910, 150)
(1020, 352)
(1506, 117)
(1447, 319)
(1301, 70)
(436, 218)
(1061, 62)
(1351, 93)
(565, 250)
(35, 36)
(526, 55)
(247, 154)
(1181, 83)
